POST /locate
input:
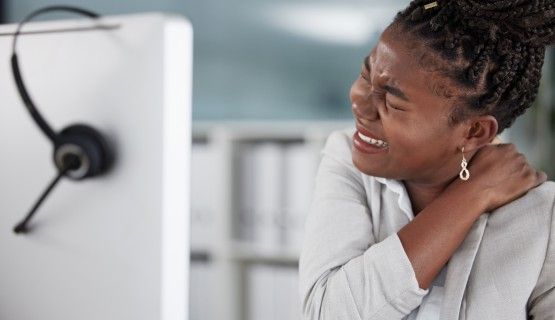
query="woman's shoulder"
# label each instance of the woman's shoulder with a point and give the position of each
(531, 213)
(540, 198)
(339, 146)
(340, 141)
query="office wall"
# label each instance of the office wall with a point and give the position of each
(249, 65)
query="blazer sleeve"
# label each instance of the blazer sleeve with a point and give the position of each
(542, 299)
(343, 272)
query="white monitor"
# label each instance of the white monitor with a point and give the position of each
(116, 246)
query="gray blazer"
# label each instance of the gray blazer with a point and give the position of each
(504, 269)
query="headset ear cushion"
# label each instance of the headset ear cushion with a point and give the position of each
(93, 145)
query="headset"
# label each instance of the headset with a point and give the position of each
(80, 151)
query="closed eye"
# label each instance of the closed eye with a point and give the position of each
(389, 105)
(393, 107)
(382, 95)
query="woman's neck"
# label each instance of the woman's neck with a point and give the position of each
(422, 194)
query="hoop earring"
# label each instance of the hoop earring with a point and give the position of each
(464, 174)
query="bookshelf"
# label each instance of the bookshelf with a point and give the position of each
(220, 243)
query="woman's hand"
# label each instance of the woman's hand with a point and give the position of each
(500, 174)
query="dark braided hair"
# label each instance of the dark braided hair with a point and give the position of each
(493, 49)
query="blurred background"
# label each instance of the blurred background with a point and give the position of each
(271, 80)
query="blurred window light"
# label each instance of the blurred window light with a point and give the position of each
(333, 23)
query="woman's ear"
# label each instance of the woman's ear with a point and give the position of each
(480, 131)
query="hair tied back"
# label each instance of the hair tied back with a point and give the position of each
(536, 19)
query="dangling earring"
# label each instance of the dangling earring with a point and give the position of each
(464, 174)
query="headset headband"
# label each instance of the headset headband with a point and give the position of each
(35, 114)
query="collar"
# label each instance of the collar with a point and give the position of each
(398, 187)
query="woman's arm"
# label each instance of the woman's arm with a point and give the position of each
(432, 237)
(501, 175)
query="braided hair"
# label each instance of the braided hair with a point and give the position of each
(493, 49)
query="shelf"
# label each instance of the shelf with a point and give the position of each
(226, 143)
(249, 253)
(269, 130)
(200, 256)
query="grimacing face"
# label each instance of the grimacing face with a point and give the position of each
(393, 100)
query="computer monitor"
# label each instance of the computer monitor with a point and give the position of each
(115, 246)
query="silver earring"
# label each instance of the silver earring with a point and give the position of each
(464, 174)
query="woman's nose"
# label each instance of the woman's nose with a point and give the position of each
(362, 103)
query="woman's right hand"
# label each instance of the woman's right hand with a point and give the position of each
(500, 174)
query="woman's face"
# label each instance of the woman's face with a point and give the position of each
(396, 100)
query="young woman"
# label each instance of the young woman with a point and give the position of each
(416, 214)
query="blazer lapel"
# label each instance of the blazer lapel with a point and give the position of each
(458, 270)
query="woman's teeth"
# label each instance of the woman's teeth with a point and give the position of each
(376, 142)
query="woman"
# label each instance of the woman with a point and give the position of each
(416, 215)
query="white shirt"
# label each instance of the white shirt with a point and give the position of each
(352, 264)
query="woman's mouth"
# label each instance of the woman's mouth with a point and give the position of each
(366, 144)
(372, 141)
